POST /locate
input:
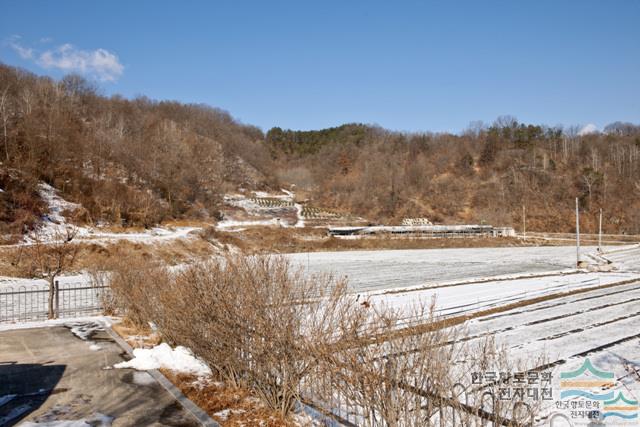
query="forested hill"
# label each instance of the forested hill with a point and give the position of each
(131, 162)
(139, 162)
(294, 142)
(485, 175)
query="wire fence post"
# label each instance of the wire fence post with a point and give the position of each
(57, 295)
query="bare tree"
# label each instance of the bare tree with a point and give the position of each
(49, 258)
(4, 113)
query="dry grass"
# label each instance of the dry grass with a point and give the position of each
(97, 255)
(289, 240)
(136, 336)
(211, 396)
(243, 408)
(254, 240)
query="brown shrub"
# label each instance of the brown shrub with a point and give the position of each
(264, 326)
(255, 320)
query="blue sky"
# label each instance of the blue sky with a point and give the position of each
(405, 65)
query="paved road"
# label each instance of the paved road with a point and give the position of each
(58, 376)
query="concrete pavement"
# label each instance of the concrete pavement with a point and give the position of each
(56, 376)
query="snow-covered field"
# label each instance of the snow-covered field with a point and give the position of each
(390, 269)
(458, 299)
(602, 325)
(461, 280)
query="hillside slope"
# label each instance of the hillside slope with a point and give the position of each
(126, 162)
(486, 175)
(141, 162)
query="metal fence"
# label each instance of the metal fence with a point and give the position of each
(24, 303)
(444, 411)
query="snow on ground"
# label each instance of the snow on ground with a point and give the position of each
(626, 258)
(153, 235)
(300, 223)
(180, 359)
(602, 325)
(257, 215)
(84, 330)
(96, 420)
(393, 269)
(233, 224)
(566, 326)
(16, 282)
(24, 299)
(104, 321)
(463, 299)
(55, 224)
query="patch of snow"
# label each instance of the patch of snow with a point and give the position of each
(97, 420)
(259, 212)
(143, 378)
(56, 204)
(54, 223)
(228, 223)
(95, 347)
(300, 223)
(104, 320)
(84, 330)
(225, 413)
(180, 359)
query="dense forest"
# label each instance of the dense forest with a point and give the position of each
(139, 162)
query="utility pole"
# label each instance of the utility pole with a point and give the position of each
(524, 223)
(577, 234)
(600, 233)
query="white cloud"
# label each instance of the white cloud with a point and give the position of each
(23, 52)
(99, 63)
(588, 129)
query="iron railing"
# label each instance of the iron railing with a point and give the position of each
(25, 303)
(457, 409)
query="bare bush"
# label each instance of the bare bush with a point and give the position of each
(403, 378)
(255, 320)
(263, 325)
(135, 283)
